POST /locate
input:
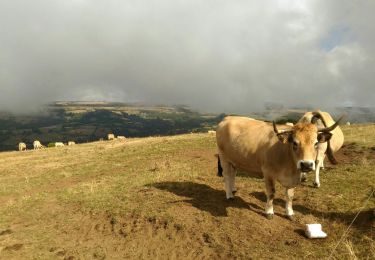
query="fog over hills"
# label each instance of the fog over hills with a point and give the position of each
(219, 56)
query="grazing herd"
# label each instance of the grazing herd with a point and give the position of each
(22, 147)
(38, 145)
(276, 153)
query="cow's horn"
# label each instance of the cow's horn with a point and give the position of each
(330, 128)
(274, 127)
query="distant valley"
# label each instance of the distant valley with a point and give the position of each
(90, 121)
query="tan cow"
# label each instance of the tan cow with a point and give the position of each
(264, 151)
(71, 143)
(37, 145)
(111, 137)
(323, 119)
(59, 144)
(21, 147)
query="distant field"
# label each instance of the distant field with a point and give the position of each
(159, 198)
(90, 121)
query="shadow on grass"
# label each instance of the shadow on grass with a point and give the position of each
(203, 197)
(364, 222)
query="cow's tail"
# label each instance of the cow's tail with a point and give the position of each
(329, 152)
(219, 168)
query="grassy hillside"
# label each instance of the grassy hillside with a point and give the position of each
(89, 121)
(153, 198)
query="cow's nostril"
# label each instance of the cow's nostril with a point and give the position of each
(307, 166)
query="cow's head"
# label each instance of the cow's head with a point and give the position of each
(303, 139)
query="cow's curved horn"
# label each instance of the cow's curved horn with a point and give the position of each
(279, 131)
(330, 128)
(274, 127)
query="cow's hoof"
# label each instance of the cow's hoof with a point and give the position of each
(316, 185)
(234, 192)
(291, 217)
(269, 216)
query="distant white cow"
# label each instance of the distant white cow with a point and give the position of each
(59, 144)
(21, 147)
(211, 132)
(111, 137)
(121, 137)
(71, 143)
(37, 145)
(348, 123)
(289, 124)
(324, 119)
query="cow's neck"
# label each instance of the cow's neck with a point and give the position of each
(289, 175)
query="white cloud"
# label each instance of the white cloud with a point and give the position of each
(213, 55)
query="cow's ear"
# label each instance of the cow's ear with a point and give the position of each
(324, 137)
(284, 137)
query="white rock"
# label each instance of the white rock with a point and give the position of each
(315, 231)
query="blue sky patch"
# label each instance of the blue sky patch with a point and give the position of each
(336, 36)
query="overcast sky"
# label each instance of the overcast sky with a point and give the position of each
(214, 55)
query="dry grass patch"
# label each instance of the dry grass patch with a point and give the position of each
(160, 198)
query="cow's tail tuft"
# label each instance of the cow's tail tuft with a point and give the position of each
(219, 168)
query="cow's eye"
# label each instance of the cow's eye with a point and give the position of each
(295, 145)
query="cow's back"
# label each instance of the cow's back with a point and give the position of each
(337, 139)
(244, 142)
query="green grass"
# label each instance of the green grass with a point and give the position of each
(361, 134)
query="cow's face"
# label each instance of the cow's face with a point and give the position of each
(303, 142)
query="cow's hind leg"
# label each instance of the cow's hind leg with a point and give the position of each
(229, 174)
(289, 200)
(219, 168)
(233, 186)
(270, 192)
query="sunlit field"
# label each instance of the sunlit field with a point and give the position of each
(159, 198)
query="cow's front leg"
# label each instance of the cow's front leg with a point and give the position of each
(317, 172)
(319, 164)
(289, 201)
(270, 192)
